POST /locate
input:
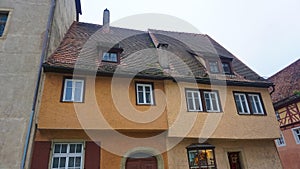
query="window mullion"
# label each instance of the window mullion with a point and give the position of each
(144, 94)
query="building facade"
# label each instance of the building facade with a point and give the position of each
(121, 99)
(28, 31)
(286, 99)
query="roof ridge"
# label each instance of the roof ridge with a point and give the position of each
(202, 34)
(288, 66)
(112, 27)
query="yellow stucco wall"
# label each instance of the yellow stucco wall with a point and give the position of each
(104, 106)
(255, 154)
(111, 104)
(226, 124)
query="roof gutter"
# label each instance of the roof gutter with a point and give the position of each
(37, 85)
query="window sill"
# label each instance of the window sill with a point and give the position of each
(71, 102)
(144, 104)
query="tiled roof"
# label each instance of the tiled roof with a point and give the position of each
(286, 81)
(83, 41)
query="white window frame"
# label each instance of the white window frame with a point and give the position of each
(210, 93)
(144, 85)
(197, 92)
(280, 142)
(250, 97)
(296, 135)
(239, 95)
(67, 155)
(215, 68)
(109, 57)
(255, 108)
(73, 90)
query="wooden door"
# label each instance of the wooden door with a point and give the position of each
(141, 163)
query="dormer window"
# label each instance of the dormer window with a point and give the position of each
(110, 57)
(222, 65)
(213, 66)
(226, 67)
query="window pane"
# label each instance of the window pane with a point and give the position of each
(190, 104)
(68, 94)
(105, 56)
(69, 83)
(78, 148)
(213, 65)
(55, 162)
(77, 96)
(62, 162)
(148, 97)
(57, 148)
(244, 103)
(238, 103)
(3, 20)
(113, 57)
(226, 68)
(64, 148)
(140, 88)
(147, 88)
(78, 84)
(72, 148)
(71, 162)
(141, 97)
(78, 162)
(214, 102)
(207, 101)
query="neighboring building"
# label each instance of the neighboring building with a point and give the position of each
(121, 98)
(286, 101)
(24, 40)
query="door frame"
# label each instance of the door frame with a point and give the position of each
(151, 151)
(242, 157)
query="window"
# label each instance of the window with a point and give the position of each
(255, 104)
(73, 90)
(67, 156)
(280, 141)
(3, 21)
(248, 103)
(201, 156)
(296, 133)
(241, 103)
(226, 67)
(202, 100)
(193, 100)
(110, 57)
(211, 101)
(144, 93)
(213, 66)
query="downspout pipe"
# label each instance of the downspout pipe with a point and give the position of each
(37, 85)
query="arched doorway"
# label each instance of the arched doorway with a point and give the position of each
(141, 161)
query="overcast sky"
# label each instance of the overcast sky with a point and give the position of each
(264, 34)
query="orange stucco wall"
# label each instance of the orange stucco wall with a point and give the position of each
(107, 104)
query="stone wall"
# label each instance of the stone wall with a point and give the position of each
(20, 52)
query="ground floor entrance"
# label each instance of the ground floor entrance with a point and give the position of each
(141, 163)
